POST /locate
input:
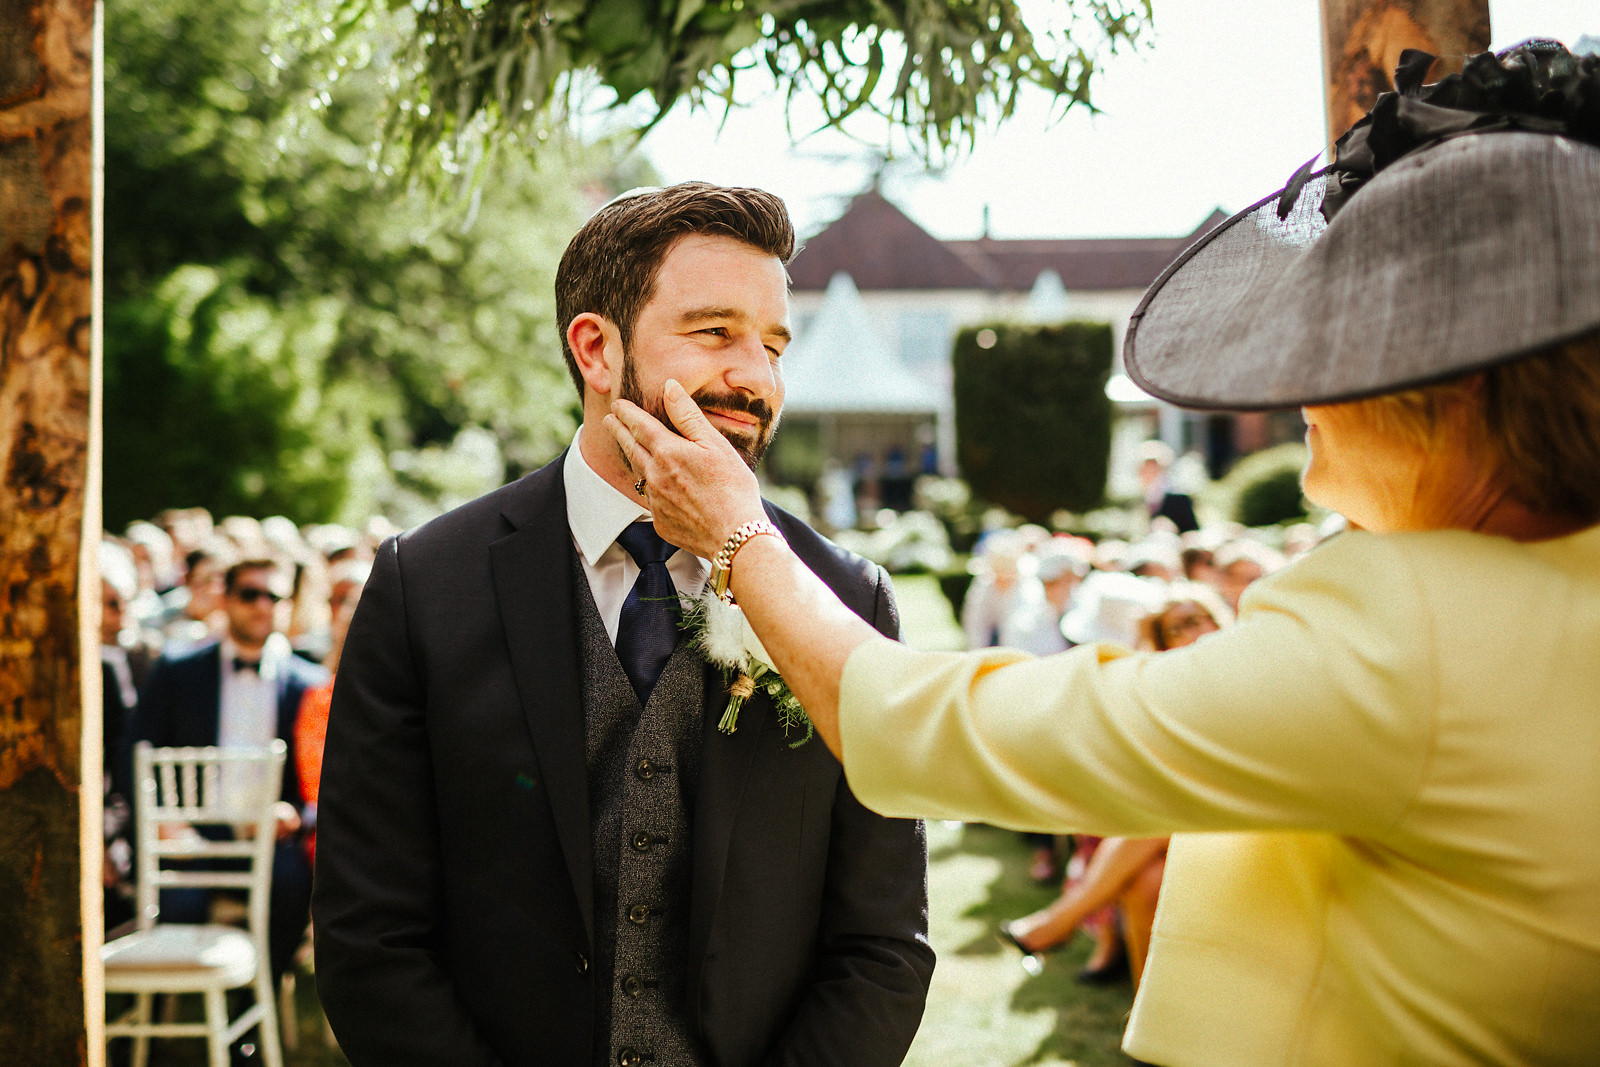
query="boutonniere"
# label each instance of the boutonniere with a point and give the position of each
(720, 634)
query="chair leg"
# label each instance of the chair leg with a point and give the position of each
(141, 1042)
(217, 1027)
(271, 1050)
(288, 1017)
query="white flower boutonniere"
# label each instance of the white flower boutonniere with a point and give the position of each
(720, 633)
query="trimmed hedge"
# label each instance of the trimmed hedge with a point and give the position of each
(1265, 486)
(1033, 422)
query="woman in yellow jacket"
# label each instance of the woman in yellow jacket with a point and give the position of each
(1406, 869)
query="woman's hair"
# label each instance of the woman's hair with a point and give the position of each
(610, 266)
(1152, 628)
(1541, 424)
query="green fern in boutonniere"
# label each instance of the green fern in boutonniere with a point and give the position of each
(720, 633)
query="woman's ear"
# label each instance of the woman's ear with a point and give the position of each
(597, 348)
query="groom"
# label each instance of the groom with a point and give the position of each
(535, 845)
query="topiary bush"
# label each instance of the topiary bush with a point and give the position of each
(1033, 422)
(1265, 486)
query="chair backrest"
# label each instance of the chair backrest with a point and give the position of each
(222, 801)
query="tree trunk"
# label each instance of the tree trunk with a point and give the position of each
(1362, 41)
(46, 301)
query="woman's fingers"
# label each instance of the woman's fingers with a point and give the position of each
(686, 414)
(632, 428)
(694, 482)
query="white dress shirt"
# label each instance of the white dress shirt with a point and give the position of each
(596, 514)
(247, 715)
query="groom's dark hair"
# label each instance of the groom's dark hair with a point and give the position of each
(610, 266)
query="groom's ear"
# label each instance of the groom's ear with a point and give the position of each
(596, 346)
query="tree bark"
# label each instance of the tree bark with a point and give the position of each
(46, 301)
(1362, 41)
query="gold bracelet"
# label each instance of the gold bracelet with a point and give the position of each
(722, 565)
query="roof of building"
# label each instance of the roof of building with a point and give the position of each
(839, 365)
(881, 248)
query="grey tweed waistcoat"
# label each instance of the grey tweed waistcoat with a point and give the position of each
(642, 765)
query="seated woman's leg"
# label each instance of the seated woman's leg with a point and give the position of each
(1114, 865)
(1138, 905)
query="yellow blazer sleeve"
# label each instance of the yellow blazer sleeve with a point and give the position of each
(1315, 711)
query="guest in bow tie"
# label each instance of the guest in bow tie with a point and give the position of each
(240, 690)
(535, 844)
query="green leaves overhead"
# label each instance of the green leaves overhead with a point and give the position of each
(938, 69)
(287, 330)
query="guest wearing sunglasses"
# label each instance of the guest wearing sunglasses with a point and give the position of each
(243, 689)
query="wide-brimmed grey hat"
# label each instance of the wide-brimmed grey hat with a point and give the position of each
(1459, 227)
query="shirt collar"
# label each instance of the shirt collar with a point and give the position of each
(596, 511)
(276, 647)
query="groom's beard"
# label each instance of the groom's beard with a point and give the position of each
(750, 446)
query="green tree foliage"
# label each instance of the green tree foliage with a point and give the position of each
(281, 322)
(938, 69)
(1033, 423)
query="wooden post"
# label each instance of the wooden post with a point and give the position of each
(48, 783)
(1362, 41)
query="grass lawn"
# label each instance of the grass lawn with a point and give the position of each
(985, 1009)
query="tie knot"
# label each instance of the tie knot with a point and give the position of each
(641, 541)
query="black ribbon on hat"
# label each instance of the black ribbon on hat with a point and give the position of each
(1536, 87)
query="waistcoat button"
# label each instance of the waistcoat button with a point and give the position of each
(629, 1058)
(581, 962)
(639, 913)
(641, 841)
(633, 985)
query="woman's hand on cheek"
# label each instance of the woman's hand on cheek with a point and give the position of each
(697, 487)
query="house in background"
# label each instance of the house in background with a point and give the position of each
(859, 425)
(877, 302)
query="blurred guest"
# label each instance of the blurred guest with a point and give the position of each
(194, 609)
(157, 569)
(311, 728)
(1155, 556)
(1240, 563)
(246, 533)
(189, 528)
(1199, 563)
(1123, 871)
(995, 589)
(1034, 624)
(119, 697)
(1160, 501)
(1107, 607)
(242, 690)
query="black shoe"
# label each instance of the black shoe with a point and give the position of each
(1005, 933)
(1110, 974)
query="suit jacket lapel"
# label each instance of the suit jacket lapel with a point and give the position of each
(533, 588)
(725, 763)
(207, 710)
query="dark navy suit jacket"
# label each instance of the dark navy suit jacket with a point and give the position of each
(455, 876)
(181, 701)
(1179, 507)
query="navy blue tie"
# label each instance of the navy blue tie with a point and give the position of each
(648, 630)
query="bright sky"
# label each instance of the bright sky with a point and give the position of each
(1219, 108)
